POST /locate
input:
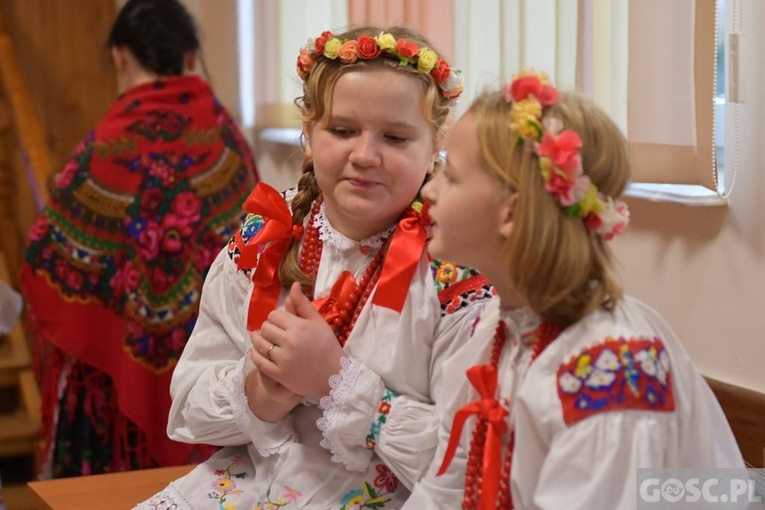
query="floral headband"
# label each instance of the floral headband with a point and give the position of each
(407, 53)
(560, 156)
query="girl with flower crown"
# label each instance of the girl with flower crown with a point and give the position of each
(324, 323)
(571, 386)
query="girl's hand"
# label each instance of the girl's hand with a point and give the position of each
(305, 351)
(269, 400)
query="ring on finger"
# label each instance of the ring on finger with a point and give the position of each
(268, 352)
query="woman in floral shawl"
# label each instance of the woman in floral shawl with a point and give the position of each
(115, 263)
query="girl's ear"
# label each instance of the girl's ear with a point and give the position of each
(119, 57)
(190, 61)
(507, 215)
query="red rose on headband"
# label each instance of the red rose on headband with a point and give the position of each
(440, 71)
(367, 47)
(562, 150)
(407, 49)
(525, 86)
(321, 41)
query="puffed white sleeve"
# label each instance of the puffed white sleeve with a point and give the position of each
(595, 463)
(365, 416)
(207, 389)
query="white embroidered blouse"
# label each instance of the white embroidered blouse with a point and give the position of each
(369, 441)
(613, 393)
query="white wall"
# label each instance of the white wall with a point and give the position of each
(704, 269)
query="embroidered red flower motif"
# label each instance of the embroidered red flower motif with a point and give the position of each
(562, 150)
(151, 199)
(406, 48)
(367, 47)
(149, 239)
(187, 205)
(385, 478)
(39, 229)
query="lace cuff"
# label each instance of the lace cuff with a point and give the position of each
(348, 412)
(268, 438)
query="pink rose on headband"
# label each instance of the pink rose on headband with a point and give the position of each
(525, 86)
(321, 41)
(367, 47)
(440, 71)
(407, 49)
(348, 52)
(305, 62)
(563, 151)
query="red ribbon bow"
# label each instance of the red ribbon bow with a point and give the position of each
(484, 379)
(401, 260)
(331, 306)
(277, 231)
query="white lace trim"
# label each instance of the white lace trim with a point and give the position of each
(243, 416)
(328, 234)
(332, 404)
(169, 498)
(520, 321)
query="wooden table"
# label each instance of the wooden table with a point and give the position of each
(98, 492)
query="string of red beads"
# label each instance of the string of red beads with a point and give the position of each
(350, 308)
(545, 334)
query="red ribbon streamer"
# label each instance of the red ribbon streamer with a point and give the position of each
(406, 248)
(404, 253)
(277, 231)
(484, 379)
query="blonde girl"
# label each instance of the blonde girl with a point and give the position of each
(571, 385)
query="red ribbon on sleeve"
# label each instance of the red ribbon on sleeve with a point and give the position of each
(277, 231)
(484, 379)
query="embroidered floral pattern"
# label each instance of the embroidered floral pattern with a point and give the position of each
(372, 496)
(160, 124)
(289, 496)
(458, 286)
(617, 374)
(251, 226)
(224, 486)
(383, 410)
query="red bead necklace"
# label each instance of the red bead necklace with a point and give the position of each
(353, 303)
(546, 333)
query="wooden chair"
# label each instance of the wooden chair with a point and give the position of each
(20, 422)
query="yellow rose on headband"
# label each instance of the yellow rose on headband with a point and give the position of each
(426, 60)
(524, 118)
(332, 48)
(386, 42)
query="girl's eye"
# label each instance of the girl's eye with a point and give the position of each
(396, 138)
(340, 131)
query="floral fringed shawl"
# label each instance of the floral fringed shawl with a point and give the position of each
(114, 269)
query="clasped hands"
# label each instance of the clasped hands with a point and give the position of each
(295, 352)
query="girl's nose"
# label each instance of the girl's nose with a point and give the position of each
(366, 151)
(430, 190)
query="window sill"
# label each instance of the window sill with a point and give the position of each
(685, 194)
(286, 136)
